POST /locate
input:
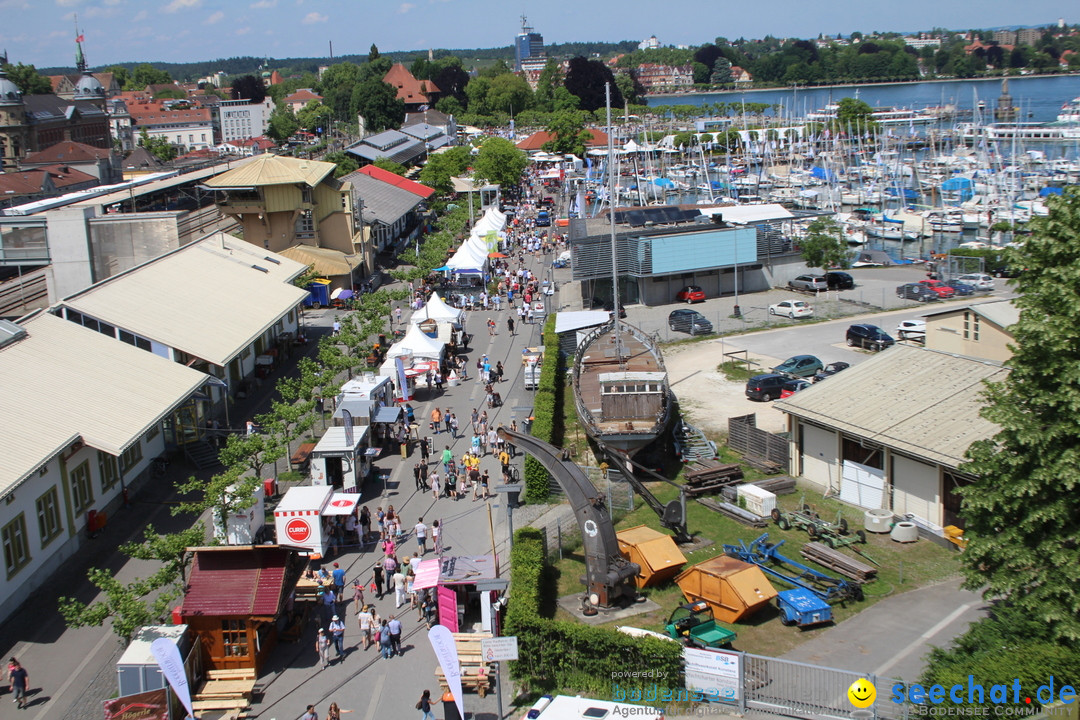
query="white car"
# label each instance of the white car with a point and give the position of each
(911, 330)
(978, 281)
(792, 309)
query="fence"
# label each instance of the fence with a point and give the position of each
(745, 437)
(564, 531)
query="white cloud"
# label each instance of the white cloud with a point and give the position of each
(215, 18)
(243, 31)
(313, 17)
(405, 7)
(178, 5)
(263, 4)
(140, 16)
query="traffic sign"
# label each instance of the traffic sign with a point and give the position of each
(499, 648)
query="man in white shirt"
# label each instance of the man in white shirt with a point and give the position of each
(421, 536)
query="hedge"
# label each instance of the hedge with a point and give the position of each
(557, 655)
(547, 406)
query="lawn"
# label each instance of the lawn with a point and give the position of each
(901, 567)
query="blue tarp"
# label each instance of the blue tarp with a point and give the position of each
(663, 182)
(1050, 191)
(956, 183)
(822, 174)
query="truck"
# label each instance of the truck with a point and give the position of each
(318, 294)
(532, 361)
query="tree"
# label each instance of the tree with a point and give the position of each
(824, 246)
(120, 74)
(1020, 512)
(373, 53)
(701, 73)
(551, 77)
(440, 167)
(509, 93)
(390, 166)
(248, 87)
(855, 116)
(28, 80)
(587, 78)
(224, 494)
(721, 74)
(500, 162)
(283, 124)
(336, 88)
(568, 133)
(450, 77)
(563, 101)
(146, 74)
(378, 103)
(314, 116)
(159, 147)
(169, 550)
(345, 162)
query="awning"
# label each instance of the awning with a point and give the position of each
(427, 574)
(387, 414)
(341, 504)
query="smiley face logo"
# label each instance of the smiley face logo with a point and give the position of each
(861, 693)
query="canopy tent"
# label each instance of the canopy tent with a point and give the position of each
(436, 309)
(471, 257)
(417, 344)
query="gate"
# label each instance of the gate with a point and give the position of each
(747, 438)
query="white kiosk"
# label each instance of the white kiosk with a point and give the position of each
(339, 459)
(299, 516)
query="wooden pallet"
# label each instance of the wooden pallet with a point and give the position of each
(735, 513)
(766, 466)
(781, 485)
(836, 560)
(475, 673)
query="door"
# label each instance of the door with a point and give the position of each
(862, 485)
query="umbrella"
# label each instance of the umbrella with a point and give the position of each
(496, 255)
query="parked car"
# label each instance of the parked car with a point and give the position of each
(868, 337)
(942, 290)
(543, 219)
(912, 330)
(792, 309)
(980, 281)
(837, 280)
(959, 288)
(690, 294)
(916, 291)
(689, 321)
(831, 369)
(765, 387)
(813, 283)
(793, 386)
(800, 366)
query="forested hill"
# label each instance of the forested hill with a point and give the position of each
(299, 66)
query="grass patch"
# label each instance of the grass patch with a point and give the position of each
(901, 567)
(735, 370)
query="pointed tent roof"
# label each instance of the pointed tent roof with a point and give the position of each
(471, 256)
(418, 343)
(436, 309)
(273, 170)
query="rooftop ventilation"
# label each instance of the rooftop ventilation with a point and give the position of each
(10, 333)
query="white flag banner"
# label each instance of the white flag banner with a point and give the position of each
(172, 667)
(442, 642)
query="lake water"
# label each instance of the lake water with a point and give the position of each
(1039, 98)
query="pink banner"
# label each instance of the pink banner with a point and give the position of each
(427, 574)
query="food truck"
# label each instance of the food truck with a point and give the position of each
(304, 513)
(340, 458)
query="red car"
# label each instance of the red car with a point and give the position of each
(690, 294)
(942, 290)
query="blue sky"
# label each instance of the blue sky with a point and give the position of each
(41, 32)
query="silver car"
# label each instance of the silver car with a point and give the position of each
(813, 283)
(977, 281)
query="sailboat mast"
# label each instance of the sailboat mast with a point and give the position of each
(611, 217)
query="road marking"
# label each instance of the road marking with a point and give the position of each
(926, 636)
(47, 711)
(373, 703)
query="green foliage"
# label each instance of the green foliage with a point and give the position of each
(390, 166)
(1020, 513)
(283, 124)
(159, 147)
(170, 94)
(129, 606)
(146, 74)
(509, 93)
(854, 116)
(442, 166)
(248, 87)
(587, 78)
(378, 103)
(500, 162)
(551, 77)
(313, 116)
(345, 162)
(560, 655)
(336, 88)
(824, 245)
(547, 413)
(569, 135)
(993, 258)
(28, 80)
(169, 550)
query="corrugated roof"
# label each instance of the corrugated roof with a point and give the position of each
(921, 402)
(63, 382)
(327, 262)
(273, 170)
(1000, 312)
(247, 581)
(383, 202)
(403, 153)
(177, 299)
(397, 181)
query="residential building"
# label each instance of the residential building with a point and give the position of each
(248, 146)
(416, 94)
(391, 207)
(75, 450)
(1029, 36)
(924, 41)
(45, 181)
(283, 202)
(120, 124)
(665, 78)
(299, 99)
(64, 85)
(739, 76)
(190, 128)
(527, 44)
(1005, 37)
(240, 119)
(651, 44)
(979, 330)
(895, 432)
(533, 68)
(395, 145)
(99, 163)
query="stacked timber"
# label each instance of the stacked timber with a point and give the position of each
(225, 690)
(475, 673)
(710, 476)
(836, 560)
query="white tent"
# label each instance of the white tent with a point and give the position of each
(436, 309)
(472, 256)
(416, 344)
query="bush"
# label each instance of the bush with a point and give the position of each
(547, 410)
(561, 655)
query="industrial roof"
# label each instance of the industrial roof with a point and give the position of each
(921, 402)
(403, 152)
(245, 581)
(273, 170)
(211, 298)
(743, 214)
(1000, 312)
(334, 442)
(63, 382)
(383, 202)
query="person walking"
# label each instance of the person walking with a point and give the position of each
(397, 316)
(453, 426)
(337, 633)
(510, 325)
(436, 537)
(421, 536)
(358, 594)
(385, 648)
(424, 706)
(399, 588)
(334, 712)
(395, 634)
(366, 620)
(436, 485)
(447, 458)
(322, 646)
(498, 371)
(310, 714)
(19, 681)
(418, 477)
(377, 579)
(436, 420)
(446, 418)
(339, 582)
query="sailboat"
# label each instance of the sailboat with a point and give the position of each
(621, 390)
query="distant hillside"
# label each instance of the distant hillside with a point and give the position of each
(291, 66)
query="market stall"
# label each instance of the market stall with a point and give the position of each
(454, 580)
(304, 517)
(339, 460)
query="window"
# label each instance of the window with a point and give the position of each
(107, 470)
(152, 433)
(975, 328)
(82, 492)
(16, 550)
(131, 456)
(234, 638)
(48, 516)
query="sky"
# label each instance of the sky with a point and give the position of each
(42, 32)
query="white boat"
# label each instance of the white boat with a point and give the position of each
(882, 116)
(939, 222)
(1047, 132)
(1070, 111)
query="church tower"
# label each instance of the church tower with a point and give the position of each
(88, 87)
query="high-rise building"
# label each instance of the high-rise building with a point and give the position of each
(527, 44)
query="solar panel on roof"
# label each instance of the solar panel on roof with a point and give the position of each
(635, 218)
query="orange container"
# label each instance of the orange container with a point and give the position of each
(734, 589)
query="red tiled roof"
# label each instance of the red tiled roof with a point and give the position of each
(64, 175)
(153, 114)
(67, 151)
(21, 183)
(302, 95)
(396, 180)
(236, 581)
(536, 141)
(409, 89)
